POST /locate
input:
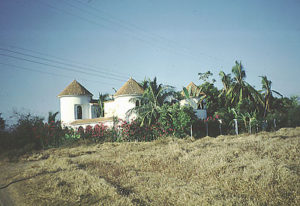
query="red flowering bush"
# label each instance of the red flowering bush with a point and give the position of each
(133, 131)
(88, 132)
(100, 132)
(80, 131)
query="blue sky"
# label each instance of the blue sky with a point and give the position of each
(171, 39)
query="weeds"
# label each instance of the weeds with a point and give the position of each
(258, 169)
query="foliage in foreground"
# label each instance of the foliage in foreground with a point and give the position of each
(32, 132)
(257, 169)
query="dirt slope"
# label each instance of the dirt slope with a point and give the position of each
(260, 169)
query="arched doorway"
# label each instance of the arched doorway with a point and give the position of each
(78, 112)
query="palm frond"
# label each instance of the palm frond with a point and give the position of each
(277, 93)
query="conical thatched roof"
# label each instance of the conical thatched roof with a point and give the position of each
(75, 89)
(131, 87)
(193, 87)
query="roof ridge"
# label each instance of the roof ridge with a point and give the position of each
(75, 88)
(131, 87)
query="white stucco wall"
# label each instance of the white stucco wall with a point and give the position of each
(184, 102)
(67, 107)
(123, 106)
(109, 124)
(200, 113)
(120, 107)
(109, 108)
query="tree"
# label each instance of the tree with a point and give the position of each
(144, 84)
(211, 93)
(2, 123)
(268, 93)
(240, 89)
(154, 96)
(213, 101)
(24, 131)
(176, 119)
(205, 76)
(102, 98)
(226, 81)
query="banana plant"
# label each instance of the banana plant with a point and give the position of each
(248, 119)
(194, 97)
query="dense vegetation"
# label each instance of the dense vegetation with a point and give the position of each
(160, 115)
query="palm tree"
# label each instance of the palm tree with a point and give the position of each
(144, 84)
(240, 89)
(226, 81)
(154, 96)
(268, 93)
(102, 98)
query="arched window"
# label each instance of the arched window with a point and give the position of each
(137, 103)
(79, 112)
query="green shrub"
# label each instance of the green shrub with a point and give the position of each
(27, 130)
(4, 140)
(175, 120)
(294, 116)
(71, 135)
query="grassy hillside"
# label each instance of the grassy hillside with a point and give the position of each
(261, 169)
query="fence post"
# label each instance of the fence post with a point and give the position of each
(206, 129)
(236, 127)
(191, 131)
(220, 126)
(250, 126)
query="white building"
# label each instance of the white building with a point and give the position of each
(77, 108)
(121, 105)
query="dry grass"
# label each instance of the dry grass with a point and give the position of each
(261, 169)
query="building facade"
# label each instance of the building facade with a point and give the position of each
(77, 108)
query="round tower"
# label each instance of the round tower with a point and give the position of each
(123, 96)
(74, 103)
